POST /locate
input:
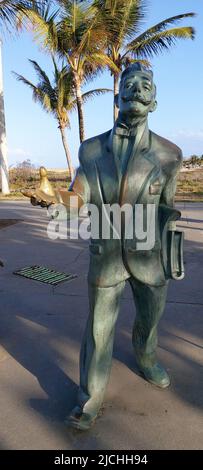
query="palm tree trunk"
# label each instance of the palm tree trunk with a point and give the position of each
(116, 92)
(3, 147)
(79, 100)
(67, 152)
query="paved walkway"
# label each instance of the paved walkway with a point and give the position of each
(40, 335)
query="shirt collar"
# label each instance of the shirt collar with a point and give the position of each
(121, 128)
(142, 128)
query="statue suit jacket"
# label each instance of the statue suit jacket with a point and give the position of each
(150, 178)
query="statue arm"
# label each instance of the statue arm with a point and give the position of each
(169, 191)
(172, 239)
(76, 196)
(167, 204)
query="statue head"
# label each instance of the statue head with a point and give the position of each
(137, 92)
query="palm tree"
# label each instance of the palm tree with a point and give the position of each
(82, 40)
(76, 32)
(58, 98)
(123, 20)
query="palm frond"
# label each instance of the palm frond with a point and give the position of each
(40, 72)
(7, 11)
(100, 59)
(93, 39)
(163, 25)
(44, 82)
(121, 18)
(10, 10)
(159, 42)
(55, 98)
(21, 78)
(38, 94)
(73, 26)
(46, 101)
(132, 18)
(88, 95)
(42, 23)
(93, 93)
(88, 71)
(56, 70)
(127, 60)
(69, 91)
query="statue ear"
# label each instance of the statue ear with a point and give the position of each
(153, 106)
(116, 101)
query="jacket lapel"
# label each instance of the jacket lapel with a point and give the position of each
(106, 174)
(142, 165)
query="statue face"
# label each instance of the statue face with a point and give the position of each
(137, 95)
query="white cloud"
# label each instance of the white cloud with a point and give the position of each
(188, 134)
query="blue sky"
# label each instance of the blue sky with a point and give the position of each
(178, 74)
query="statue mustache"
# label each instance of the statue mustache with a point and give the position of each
(137, 99)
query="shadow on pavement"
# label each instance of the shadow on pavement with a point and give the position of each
(43, 332)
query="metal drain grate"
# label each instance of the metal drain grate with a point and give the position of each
(46, 275)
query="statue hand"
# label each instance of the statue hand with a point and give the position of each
(45, 195)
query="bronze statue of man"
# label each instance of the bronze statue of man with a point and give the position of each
(126, 165)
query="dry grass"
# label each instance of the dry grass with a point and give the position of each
(27, 178)
(189, 188)
(190, 185)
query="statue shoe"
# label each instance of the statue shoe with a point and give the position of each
(156, 375)
(79, 419)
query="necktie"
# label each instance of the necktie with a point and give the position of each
(122, 146)
(125, 141)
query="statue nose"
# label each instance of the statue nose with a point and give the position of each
(137, 88)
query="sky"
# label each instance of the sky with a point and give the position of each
(33, 134)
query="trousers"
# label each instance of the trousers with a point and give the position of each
(97, 344)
